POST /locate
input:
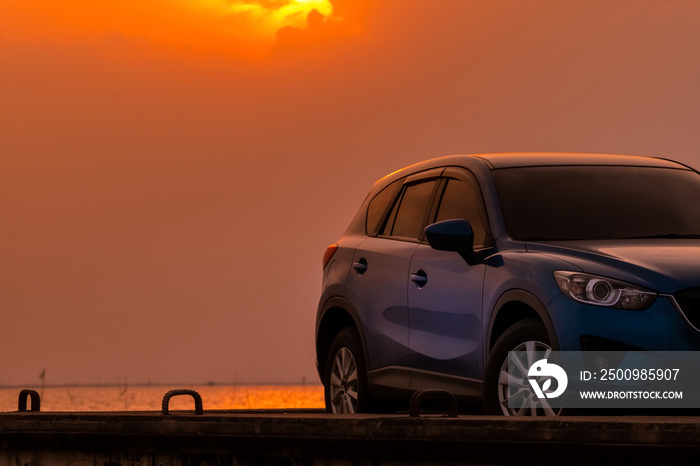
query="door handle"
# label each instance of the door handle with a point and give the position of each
(420, 278)
(360, 266)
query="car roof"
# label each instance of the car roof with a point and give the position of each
(533, 159)
(529, 159)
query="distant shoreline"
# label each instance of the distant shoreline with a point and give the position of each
(159, 384)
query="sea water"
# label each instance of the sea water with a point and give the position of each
(149, 397)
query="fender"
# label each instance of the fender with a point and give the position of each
(530, 300)
(342, 303)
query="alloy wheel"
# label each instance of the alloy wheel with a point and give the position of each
(514, 385)
(344, 383)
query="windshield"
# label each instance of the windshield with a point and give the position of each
(599, 202)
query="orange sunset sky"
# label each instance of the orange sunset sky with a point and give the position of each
(173, 170)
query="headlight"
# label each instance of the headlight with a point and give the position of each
(601, 291)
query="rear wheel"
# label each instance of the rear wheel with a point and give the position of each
(529, 338)
(345, 377)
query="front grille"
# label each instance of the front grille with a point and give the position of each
(689, 302)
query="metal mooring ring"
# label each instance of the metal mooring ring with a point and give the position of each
(198, 408)
(35, 400)
(431, 392)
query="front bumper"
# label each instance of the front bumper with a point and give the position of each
(661, 327)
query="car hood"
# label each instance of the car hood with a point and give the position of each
(663, 265)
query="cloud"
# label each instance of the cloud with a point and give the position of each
(273, 15)
(238, 28)
(321, 34)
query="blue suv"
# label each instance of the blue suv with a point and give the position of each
(453, 262)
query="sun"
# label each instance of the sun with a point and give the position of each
(267, 17)
(251, 27)
(244, 28)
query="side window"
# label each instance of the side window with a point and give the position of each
(462, 200)
(407, 218)
(379, 207)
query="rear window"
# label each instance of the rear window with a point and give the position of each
(380, 206)
(411, 215)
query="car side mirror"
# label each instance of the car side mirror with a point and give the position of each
(452, 235)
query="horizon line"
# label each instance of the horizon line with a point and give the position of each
(154, 384)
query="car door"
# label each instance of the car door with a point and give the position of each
(445, 294)
(378, 283)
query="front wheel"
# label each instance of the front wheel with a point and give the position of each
(345, 383)
(529, 338)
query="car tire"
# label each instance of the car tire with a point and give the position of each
(345, 376)
(528, 336)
